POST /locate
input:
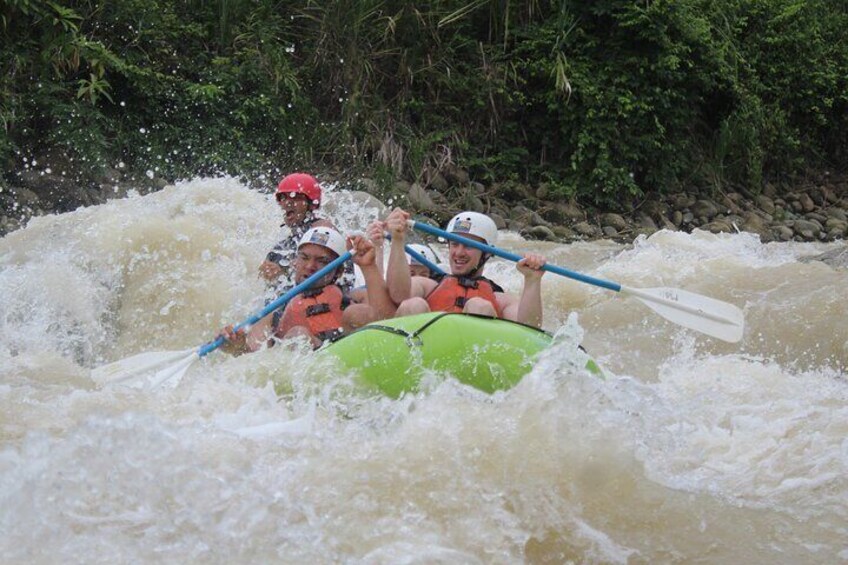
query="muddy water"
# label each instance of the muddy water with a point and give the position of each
(691, 449)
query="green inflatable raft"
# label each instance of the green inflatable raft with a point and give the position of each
(487, 353)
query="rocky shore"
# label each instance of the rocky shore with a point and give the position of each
(814, 210)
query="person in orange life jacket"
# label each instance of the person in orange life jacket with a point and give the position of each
(464, 289)
(299, 196)
(324, 311)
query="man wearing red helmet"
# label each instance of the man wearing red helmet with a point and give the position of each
(299, 196)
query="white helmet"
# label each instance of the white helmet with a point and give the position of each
(325, 237)
(424, 251)
(475, 223)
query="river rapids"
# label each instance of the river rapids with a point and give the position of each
(689, 450)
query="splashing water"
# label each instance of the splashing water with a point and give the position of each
(687, 450)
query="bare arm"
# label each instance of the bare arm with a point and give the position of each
(375, 285)
(375, 232)
(397, 273)
(527, 309)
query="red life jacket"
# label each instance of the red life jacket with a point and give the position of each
(453, 292)
(319, 310)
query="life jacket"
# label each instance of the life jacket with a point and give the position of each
(453, 292)
(319, 310)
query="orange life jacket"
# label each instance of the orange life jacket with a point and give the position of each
(453, 292)
(319, 310)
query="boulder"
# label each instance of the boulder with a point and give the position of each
(706, 209)
(419, 199)
(539, 232)
(614, 221)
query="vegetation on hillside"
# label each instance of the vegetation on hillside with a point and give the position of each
(604, 100)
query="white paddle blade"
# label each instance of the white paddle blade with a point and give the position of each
(137, 366)
(707, 315)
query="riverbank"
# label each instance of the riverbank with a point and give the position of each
(815, 209)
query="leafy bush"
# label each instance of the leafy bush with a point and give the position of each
(606, 101)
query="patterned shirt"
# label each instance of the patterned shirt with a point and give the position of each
(283, 254)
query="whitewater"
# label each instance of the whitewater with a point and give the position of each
(688, 450)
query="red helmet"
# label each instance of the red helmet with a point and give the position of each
(301, 183)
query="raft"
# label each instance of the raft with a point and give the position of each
(486, 353)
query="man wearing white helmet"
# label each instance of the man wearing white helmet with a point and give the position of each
(324, 311)
(417, 269)
(465, 289)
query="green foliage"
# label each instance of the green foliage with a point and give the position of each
(605, 101)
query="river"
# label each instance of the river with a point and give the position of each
(690, 450)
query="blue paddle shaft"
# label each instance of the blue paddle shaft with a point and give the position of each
(420, 258)
(426, 228)
(278, 303)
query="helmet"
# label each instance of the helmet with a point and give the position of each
(325, 237)
(301, 183)
(474, 223)
(424, 251)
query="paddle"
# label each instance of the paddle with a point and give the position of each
(694, 311)
(166, 365)
(420, 258)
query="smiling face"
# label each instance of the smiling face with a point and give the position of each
(309, 260)
(463, 260)
(295, 207)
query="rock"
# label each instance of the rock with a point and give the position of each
(370, 186)
(705, 209)
(807, 204)
(563, 232)
(456, 176)
(478, 187)
(527, 216)
(55, 192)
(419, 200)
(753, 223)
(400, 187)
(769, 191)
(764, 203)
(646, 221)
(540, 232)
(499, 220)
(820, 218)
(512, 191)
(837, 213)
(730, 204)
(808, 229)
(563, 213)
(719, 226)
(782, 233)
(835, 227)
(586, 229)
(682, 201)
(676, 218)
(614, 221)
(354, 200)
(837, 258)
(471, 201)
(438, 183)
(655, 209)
(610, 231)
